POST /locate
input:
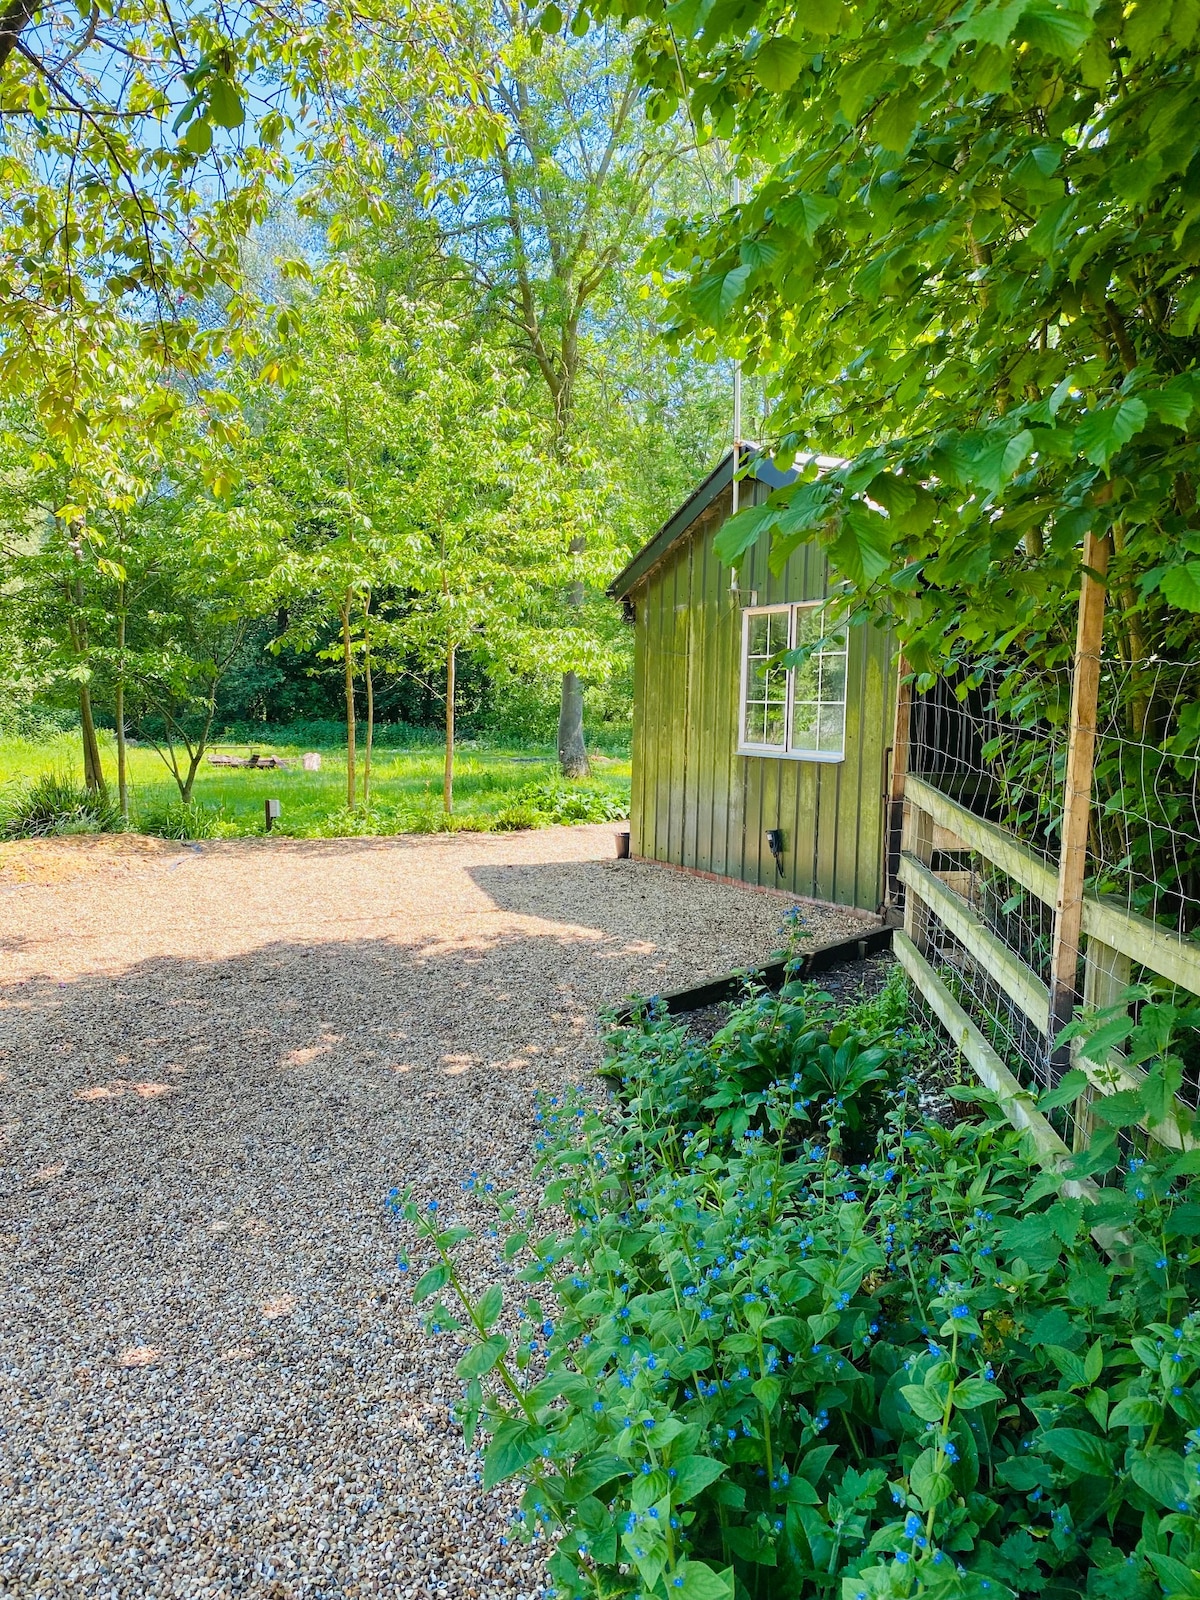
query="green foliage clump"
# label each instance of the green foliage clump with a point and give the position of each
(787, 1336)
(177, 820)
(56, 804)
(551, 800)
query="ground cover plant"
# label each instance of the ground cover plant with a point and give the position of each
(497, 786)
(785, 1334)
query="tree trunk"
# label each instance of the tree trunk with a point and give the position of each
(348, 660)
(370, 723)
(93, 773)
(119, 713)
(448, 776)
(572, 751)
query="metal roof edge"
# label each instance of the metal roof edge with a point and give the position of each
(680, 521)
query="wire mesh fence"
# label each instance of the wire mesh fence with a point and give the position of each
(996, 744)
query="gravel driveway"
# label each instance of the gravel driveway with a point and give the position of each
(214, 1063)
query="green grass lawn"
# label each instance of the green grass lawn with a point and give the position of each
(495, 786)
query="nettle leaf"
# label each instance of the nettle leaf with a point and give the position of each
(1180, 585)
(1164, 1476)
(1102, 433)
(1082, 1452)
(779, 63)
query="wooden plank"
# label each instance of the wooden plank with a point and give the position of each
(1077, 786)
(1016, 1103)
(999, 846)
(1019, 982)
(1160, 949)
(901, 729)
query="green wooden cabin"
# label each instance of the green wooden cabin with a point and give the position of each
(727, 746)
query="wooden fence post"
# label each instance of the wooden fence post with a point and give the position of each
(1077, 794)
(894, 799)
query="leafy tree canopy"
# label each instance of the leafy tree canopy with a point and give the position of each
(967, 257)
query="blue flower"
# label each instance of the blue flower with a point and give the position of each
(912, 1525)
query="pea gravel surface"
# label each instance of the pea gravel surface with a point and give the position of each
(215, 1060)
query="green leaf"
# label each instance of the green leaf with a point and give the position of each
(693, 1474)
(1136, 1411)
(779, 63)
(740, 532)
(974, 1392)
(551, 19)
(1180, 585)
(434, 1280)
(862, 548)
(767, 1391)
(1102, 433)
(1164, 1476)
(199, 136)
(481, 1358)
(225, 103)
(700, 1582)
(491, 1304)
(1180, 1582)
(807, 212)
(994, 24)
(923, 1402)
(1082, 1452)
(1053, 29)
(513, 1446)
(929, 1480)
(896, 118)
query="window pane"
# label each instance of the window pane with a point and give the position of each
(766, 684)
(833, 677)
(804, 725)
(832, 729)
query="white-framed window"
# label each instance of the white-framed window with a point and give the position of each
(797, 712)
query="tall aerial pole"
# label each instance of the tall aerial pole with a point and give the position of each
(737, 386)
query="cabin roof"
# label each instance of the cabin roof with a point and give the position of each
(679, 524)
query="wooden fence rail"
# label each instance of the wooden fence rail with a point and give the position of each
(1114, 938)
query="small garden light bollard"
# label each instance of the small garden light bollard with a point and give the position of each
(271, 807)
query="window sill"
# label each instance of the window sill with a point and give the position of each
(790, 755)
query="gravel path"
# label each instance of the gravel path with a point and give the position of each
(214, 1062)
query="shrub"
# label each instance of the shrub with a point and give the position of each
(177, 820)
(56, 804)
(745, 1363)
(547, 801)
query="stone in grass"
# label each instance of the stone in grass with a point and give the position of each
(312, 761)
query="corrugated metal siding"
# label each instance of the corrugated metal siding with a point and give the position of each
(698, 803)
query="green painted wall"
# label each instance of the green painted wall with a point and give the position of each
(696, 802)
